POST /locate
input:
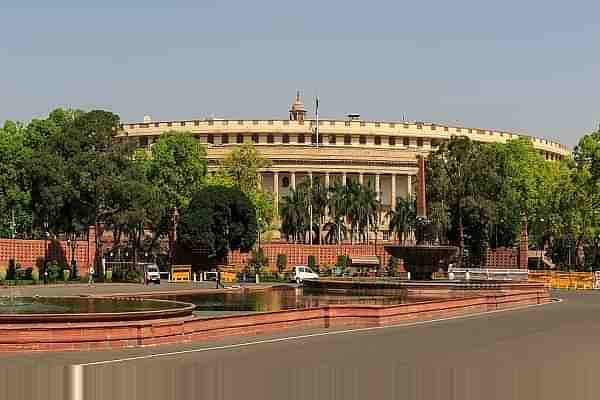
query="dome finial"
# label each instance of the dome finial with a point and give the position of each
(297, 111)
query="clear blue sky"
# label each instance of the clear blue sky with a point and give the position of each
(530, 66)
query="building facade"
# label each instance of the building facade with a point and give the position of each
(380, 153)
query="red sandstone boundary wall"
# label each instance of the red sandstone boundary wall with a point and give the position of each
(31, 253)
(112, 335)
(297, 254)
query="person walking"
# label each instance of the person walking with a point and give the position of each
(91, 275)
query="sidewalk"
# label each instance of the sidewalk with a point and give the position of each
(121, 289)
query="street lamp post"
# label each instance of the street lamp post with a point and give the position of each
(46, 237)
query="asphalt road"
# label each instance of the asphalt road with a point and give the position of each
(543, 352)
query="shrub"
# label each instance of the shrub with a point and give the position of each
(342, 262)
(392, 266)
(312, 263)
(11, 272)
(281, 262)
(132, 276)
(257, 260)
(28, 275)
(74, 272)
(55, 271)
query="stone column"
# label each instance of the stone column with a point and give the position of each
(409, 186)
(393, 203)
(310, 177)
(327, 179)
(421, 199)
(377, 188)
(276, 189)
(344, 178)
(361, 178)
(293, 179)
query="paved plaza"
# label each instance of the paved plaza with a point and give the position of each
(541, 352)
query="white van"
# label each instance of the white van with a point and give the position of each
(152, 273)
(301, 272)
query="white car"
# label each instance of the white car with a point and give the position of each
(152, 273)
(301, 272)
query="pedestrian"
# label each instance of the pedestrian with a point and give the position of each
(91, 275)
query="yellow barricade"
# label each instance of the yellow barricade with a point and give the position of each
(564, 280)
(181, 273)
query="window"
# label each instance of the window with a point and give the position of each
(300, 138)
(169, 124)
(377, 124)
(285, 182)
(332, 139)
(386, 235)
(445, 129)
(143, 141)
(392, 141)
(458, 130)
(406, 141)
(270, 138)
(377, 140)
(419, 126)
(210, 139)
(433, 127)
(392, 125)
(363, 123)
(196, 123)
(405, 126)
(285, 138)
(362, 139)
(211, 122)
(255, 138)
(332, 123)
(182, 123)
(239, 138)
(270, 122)
(224, 139)
(347, 139)
(313, 139)
(419, 142)
(156, 124)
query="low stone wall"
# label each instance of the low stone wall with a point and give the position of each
(119, 334)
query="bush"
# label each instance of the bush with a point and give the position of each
(312, 263)
(392, 267)
(342, 262)
(11, 272)
(74, 272)
(132, 276)
(28, 275)
(281, 262)
(55, 271)
(257, 260)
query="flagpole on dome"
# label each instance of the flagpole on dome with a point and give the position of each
(317, 119)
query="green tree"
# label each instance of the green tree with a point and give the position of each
(243, 166)
(218, 219)
(402, 218)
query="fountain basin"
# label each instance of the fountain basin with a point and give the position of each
(422, 260)
(20, 310)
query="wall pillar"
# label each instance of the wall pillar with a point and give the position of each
(293, 179)
(344, 178)
(393, 203)
(276, 189)
(327, 179)
(377, 187)
(361, 178)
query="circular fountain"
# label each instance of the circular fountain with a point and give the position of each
(17, 309)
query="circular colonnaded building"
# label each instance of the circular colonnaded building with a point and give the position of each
(380, 153)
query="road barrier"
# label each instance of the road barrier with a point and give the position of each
(489, 274)
(566, 280)
(181, 273)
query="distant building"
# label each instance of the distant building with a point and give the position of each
(380, 153)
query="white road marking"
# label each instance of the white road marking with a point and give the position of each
(299, 337)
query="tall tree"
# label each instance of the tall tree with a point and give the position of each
(218, 219)
(243, 167)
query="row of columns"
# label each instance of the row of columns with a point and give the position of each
(344, 181)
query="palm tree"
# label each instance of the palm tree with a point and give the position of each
(338, 208)
(293, 214)
(336, 231)
(366, 206)
(402, 219)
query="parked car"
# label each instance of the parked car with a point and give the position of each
(301, 272)
(152, 274)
